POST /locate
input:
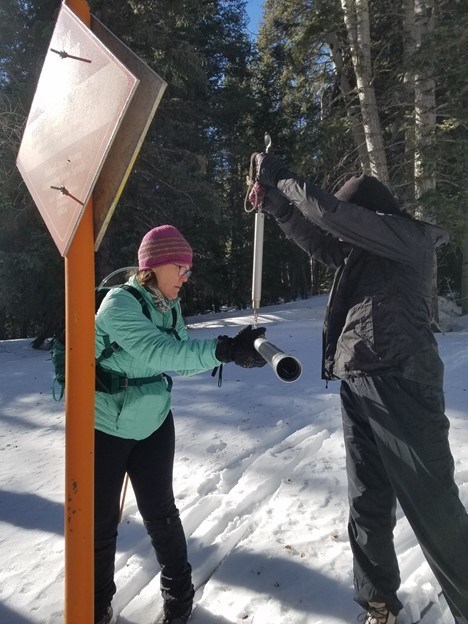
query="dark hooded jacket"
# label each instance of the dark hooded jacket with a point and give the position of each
(378, 318)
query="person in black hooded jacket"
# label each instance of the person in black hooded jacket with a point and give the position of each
(378, 341)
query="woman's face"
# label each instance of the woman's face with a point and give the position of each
(170, 278)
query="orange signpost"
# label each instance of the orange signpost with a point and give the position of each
(79, 408)
(79, 429)
(82, 136)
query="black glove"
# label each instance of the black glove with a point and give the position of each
(240, 349)
(270, 169)
(277, 205)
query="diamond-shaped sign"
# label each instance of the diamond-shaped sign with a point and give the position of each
(81, 97)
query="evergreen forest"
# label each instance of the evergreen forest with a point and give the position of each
(342, 86)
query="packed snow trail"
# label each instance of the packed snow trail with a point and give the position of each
(215, 524)
(259, 479)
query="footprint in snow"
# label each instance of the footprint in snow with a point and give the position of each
(216, 448)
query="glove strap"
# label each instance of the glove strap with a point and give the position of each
(219, 370)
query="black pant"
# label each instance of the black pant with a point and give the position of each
(149, 464)
(396, 438)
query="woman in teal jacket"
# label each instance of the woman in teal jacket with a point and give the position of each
(140, 334)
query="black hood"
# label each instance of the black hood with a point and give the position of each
(371, 193)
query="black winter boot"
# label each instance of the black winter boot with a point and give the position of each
(104, 618)
(181, 619)
(168, 539)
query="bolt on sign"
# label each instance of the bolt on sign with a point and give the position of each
(80, 100)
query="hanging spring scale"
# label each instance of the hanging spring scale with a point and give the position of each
(258, 237)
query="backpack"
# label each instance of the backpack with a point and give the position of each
(107, 380)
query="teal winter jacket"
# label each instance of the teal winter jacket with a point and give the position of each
(146, 350)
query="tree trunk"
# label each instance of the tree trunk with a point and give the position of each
(356, 17)
(409, 48)
(352, 107)
(424, 103)
(424, 124)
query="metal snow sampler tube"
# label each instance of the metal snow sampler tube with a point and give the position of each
(287, 368)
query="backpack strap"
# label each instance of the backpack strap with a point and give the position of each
(111, 347)
(110, 381)
(144, 306)
(57, 394)
(172, 330)
(58, 360)
(139, 297)
(174, 322)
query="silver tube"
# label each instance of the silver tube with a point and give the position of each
(287, 368)
(258, 259)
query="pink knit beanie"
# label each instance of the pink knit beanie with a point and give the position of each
(164, 245)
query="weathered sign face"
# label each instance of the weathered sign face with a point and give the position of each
(82, 95)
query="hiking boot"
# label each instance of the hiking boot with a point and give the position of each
(105, 617)
(177, 619)
(378, 613)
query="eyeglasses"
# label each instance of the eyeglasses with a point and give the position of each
(183, 272)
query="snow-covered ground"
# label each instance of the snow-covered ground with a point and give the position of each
(259, 478)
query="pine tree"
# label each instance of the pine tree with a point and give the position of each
(31, 270)
(321, 97)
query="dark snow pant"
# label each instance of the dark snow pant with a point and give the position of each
(149, 464)
(396, 439)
